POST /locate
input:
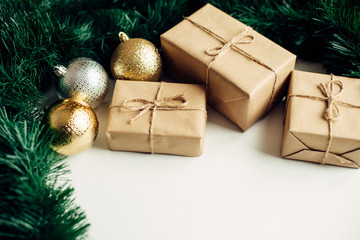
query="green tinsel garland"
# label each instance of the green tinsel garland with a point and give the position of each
(35, 202)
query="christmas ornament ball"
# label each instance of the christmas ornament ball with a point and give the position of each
(84, 79)
(136, 59)
(74, 124)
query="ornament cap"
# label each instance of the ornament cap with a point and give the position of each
(60, 70)
(123, 37)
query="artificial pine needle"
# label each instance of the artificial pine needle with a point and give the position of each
(35, 200)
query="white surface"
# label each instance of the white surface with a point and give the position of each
(239, 188)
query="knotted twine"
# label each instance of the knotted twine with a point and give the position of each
(174, 103)
(332, 112)
(243, 37)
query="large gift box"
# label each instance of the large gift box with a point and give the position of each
(245, 73)
(157, 117)
(322, 122)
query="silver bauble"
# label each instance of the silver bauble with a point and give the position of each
(84, 79)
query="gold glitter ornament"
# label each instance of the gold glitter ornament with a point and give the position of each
(135, 59)
(74, 124)
(84, 79)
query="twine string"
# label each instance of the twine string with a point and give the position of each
(146, 106)
(142, 106)
(243, 37)
(332, 112)
(167, 103)
(331, 91)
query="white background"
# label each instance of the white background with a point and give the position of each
(239, 188)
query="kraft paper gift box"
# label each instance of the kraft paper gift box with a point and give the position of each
(157, 117)
(322, 122)
(245, 72)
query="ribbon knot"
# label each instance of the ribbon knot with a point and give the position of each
(143, 106)
(241, 38)
(332, 112)
(331, 91)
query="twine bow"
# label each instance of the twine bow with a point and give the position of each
(167, 103)
(142, 106)
(157, 104)
(242, 38)
(331, 91)
(332, 112)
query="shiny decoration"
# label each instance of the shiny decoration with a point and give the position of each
(84, 79)
(75, 126)
(135, 59)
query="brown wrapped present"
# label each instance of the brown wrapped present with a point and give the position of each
(244, 71)
(322, 122)
(157, 117)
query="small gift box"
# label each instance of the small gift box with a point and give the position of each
(322, 122)
(244, 72)
(157, 117)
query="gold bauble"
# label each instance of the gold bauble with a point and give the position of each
(74, 124)
(135, 59)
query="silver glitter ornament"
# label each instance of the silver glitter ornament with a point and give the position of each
(84, 79)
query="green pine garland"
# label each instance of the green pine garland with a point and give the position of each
(35, 199)
(326, 31)
(34, 202)
(35, 35)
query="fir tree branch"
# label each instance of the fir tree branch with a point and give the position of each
(341, 28)
(37, 34)
(35, 198)
(318, 30)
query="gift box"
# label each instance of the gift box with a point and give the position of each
(322, 122)
(244, 72)
(157, 117)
